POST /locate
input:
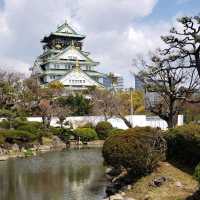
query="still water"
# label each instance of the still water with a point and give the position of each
(75, 174)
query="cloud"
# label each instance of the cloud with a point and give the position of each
(113, 36)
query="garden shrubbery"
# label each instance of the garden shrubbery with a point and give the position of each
(17, 136)
(137, 149)
(115, 131)
(197, 173)
(184, 144)
(86, 134)
(103, 129)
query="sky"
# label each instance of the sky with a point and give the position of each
(117, 30)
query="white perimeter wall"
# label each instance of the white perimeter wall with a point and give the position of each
(136, 120)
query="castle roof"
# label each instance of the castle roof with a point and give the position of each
(65, 30)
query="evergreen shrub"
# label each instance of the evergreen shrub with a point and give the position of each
(197, 173)
(86, 134)
(115, 131)
(4, 124)
(137, 149)
(87, 125)
(184, 144)
(15, 136)
(103, 128)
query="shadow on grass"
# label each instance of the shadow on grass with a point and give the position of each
(195, 196)
(185, 167)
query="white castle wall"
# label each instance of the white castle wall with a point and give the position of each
(136, 120)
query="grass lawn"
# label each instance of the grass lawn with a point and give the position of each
(170, 190)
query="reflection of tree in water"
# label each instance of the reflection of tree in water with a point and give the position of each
(78, 175)
(73, 175)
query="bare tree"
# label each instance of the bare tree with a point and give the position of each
(123, 105)
(61, 112)
(171, 87)
(184, 43)
(102, 103)
(46, 112)
(117, 104)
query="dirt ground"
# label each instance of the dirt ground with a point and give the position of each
(178, 186)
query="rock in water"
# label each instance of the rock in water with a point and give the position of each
(58, 143)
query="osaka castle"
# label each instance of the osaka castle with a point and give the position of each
(63, 59)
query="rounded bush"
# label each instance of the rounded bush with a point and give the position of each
(115, 131)
(86, 134)
(197, 173)
(184, 144)
(87, 125)
(103, 128)
(5, 124)
(137, 149)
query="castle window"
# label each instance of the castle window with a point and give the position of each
(57, 66)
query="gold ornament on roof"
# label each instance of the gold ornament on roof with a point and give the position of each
(77, 65)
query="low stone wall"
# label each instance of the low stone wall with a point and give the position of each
(15, 151)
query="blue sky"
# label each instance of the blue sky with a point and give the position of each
(1, 4)
(116, 32)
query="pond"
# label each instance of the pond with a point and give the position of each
(74, 174)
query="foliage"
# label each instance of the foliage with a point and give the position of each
(183, 42)
(17, 136)
(87, 125)
(103, 128)
(4, 124)
(184, 144)
(115, 131)
(2, 139)
(56, 85)
(137, 149)
(192, 112)
(85, 134)
(197, 173)
(28, 153)
(78, 104)
(22, 124)
(64, 134)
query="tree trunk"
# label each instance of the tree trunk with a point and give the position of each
(126, 122)
(170, 123)
(197, 58)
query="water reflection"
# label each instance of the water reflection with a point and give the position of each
(70, 175)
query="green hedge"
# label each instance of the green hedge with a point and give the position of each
(138, 149)
(103, 128)
(86, 134)
(184, 144)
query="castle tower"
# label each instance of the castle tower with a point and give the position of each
(62, 50)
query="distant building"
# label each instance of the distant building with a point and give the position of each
(64, 59)
(139, 85)
(119, 85)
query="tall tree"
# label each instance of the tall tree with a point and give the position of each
(168, 89)
(183, 42)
